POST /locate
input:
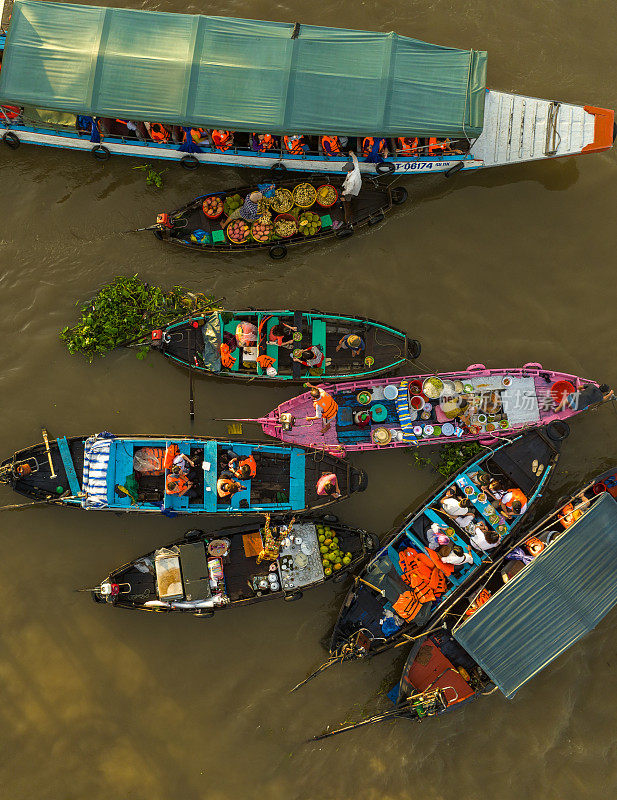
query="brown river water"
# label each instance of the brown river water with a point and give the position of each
(503, 267)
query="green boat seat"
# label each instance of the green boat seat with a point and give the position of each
(230, 327)
(319, 339)
(272, 350)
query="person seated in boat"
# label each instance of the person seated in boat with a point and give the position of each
(328, 485)
(84, 125)
(332, 145)
(200, 136)
(159, 133)
(295, 144)
(460, 512)
(408, 146)
(131, 130)
(311, 357)
(521, 556)
(183, 463)
(248, 211)
(177, 482)
(440, 147)
(326, 408)
(476, 600)
(351, 342)
(454, 555)
(436, 536)
(496, 491)
(264, 142)
(227, 486)
(222, 140)
(590, 395)
(374, 149)
(281, 334)
(513, 503)
(246, 334)
(243, 468)
(481, 537)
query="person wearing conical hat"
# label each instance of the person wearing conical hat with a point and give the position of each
(351, 342)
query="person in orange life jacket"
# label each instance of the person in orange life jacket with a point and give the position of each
(513, 503)
(222, 140)
(373, 148)
(279, 332)
(438, 147)
(263, 142)
(311, 357)
(331, 145)
(328, 485)
(226, 486)
(408, 146)
(132, 128)
(295, 144)
(325, 408)
(178, 483)
(200, 136)
(243, 468)
(158, 132)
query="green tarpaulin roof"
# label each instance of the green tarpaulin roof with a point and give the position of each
(557, 599)
(238, 74)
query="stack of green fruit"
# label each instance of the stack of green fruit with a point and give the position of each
(232, 202)
(310, 223)
(332, 557)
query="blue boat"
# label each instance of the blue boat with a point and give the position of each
(132, 474)
(406, 589)
(74, 75)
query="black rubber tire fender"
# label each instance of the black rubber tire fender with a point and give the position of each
(376, 219)
(371, 541)
(330, 518)
(277, 251)
(11, 140)
(414, 348)
(100, 152)
(344, 233)
(193, 534)
(453, 170)
(385, 168)
(189, 162)
(278, 167)
(558, 430)
(290, 598)
(399, 195)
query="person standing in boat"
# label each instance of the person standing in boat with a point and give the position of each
(312, 358)
(351, 342)
(326, 408)
(248, 211)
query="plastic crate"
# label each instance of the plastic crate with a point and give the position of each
(218, 237)
(326, 221)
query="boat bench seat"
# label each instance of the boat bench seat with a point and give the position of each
(177, 502)
(230, 327)
(272, 350)
(241, 450)
(120, 466)
(319, 338)
(434, 517)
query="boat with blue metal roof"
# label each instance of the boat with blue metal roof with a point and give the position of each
(138, 474)
(411, 584)
(201, 89)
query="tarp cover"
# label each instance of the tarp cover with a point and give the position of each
(551, 604)
(236, 74)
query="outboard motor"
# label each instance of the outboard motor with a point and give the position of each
(287, 421)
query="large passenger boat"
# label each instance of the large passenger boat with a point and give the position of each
(138, 474)
(248, 93)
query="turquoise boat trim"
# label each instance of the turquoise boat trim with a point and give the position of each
(65, 455)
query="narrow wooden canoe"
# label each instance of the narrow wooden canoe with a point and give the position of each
(496, 402)
(219, 570)
(196, 343)
(191, 228)
(127, 473)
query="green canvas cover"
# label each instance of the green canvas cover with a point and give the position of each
(552, 603)
(236, 74)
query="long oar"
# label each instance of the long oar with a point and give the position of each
(191, 385)
(52, 501)
(320, 669)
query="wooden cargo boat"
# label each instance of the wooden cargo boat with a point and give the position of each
(132, 474)
(200, 224)
(196, 343)
(213, 73)
(207, 572)
(477, 404)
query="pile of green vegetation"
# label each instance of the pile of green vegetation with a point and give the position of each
(126, 311)
(452, 458)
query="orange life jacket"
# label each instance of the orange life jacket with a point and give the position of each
(480, 600)
(266, 143)
(196, 134)
(222, 140)
(227, 360)
(422, 575)
(407, 606)
(569, 515)
(176, 484)
(252, 466)
(435, 147)
(265, 361)
(328, 405)
(408, 147)
(294, 145)
(158, 133)
(333, 144)
(516, 494)
(11, 112)
(171, 452)
(367, 145)
(155, 456)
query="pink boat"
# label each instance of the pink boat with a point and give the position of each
(477, 404)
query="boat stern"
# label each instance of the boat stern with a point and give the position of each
(604, 130)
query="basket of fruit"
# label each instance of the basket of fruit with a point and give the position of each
(309, 223)
(212, 206)
(327, 195)
(261, 230)
(282, 200)
(237, 231)
(304, 195)
(333, 558)
(232, 202)
(285, 226)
